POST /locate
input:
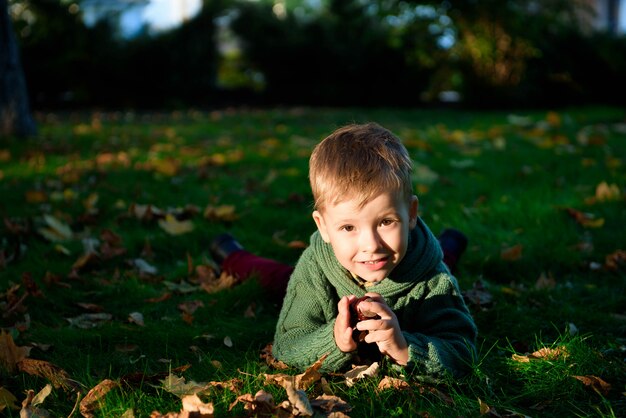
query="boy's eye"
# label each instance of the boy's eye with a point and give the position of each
(347, 228)
(387, 222)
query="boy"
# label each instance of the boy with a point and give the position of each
(371, 242)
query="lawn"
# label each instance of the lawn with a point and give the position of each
(111, 305)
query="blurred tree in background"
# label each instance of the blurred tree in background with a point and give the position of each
(326, 52)
(15, 117)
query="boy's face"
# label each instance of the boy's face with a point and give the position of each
(369, 241)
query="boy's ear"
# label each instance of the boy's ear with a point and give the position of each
(413, 209)
(321, 225)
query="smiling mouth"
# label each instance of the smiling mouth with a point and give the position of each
(372, 262)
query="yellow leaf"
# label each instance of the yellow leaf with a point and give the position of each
(606, 192)
(220, 213)
(175, 227)
(554, 119)
(11, 354)
(7, 400)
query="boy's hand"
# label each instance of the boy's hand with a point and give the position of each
(343, 330)
(385, 332)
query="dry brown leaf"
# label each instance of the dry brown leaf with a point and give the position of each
(261, 404)
(310, 375)
(615, 260)
(56, 375)
(190, 306)
(512, 253)
(544, 353)
(487, 410)
(266, 354)
(586, 220)
(361, 372)
(29, 405)
(478, 295)
(298, 400)
(90, 402)
(225, 281)
(595, 383)
(545, 281)
(179, 387)
(192, 403)
(11, 354)
(331, 405)
(392, 383)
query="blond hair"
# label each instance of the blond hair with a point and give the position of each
(359, 162)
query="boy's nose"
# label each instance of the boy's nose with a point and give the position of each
(369, 241)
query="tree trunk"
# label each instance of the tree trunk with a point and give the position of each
(15, 116)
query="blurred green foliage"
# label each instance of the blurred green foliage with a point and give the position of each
(340, 52)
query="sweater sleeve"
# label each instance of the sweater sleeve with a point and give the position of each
(305, 328)
(442, 334)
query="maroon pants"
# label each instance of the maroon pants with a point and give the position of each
(273, 276)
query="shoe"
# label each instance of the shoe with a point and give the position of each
(222, 246)
(453, 243)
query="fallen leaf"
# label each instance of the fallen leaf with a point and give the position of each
(595, 383)
(89, 320)
(478, 295)
(180, 387)
(512, 253)
(89, 403)
(607, 192)
(615, 260)
(224, 213)
(7, 400)
(56, 231)
(330, 404)
(544, 353)
(360, 372)
(261, 404)
(11, 354)
(228, 342)
(29, 405)
(298, 400)
(586, 220)
(392, 383)
(196, 407)
(225, 281)
(56, 375)
(136, 318)
(249, 312)
(545, 281)
(173, 226)
(266, 354)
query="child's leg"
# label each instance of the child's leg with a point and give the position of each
(273, 276)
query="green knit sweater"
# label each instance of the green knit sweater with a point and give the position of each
(421, 291)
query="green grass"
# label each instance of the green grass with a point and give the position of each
(502, 184)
